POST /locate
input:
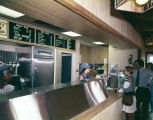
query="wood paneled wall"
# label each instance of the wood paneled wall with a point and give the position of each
(104, 11)
(94, 55)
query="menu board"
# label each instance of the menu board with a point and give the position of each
(44, 38)
(63, 42)
(21, 32)
(71, 44)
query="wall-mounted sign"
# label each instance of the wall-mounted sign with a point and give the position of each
(3, 28)
(132, 5)
(71, 44)
(21, 32)
(63, 42)
(44, 38)
(60, 42)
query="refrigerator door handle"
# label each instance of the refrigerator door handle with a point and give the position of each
(35, 76)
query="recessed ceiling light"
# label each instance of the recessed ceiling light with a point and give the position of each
(72, 34)
(10, 12)
(98, 43)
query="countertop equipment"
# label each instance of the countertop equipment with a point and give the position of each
(37, 64)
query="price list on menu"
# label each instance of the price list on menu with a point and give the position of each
(44, 38)
(21, 32)
(70, 44)
(61, 42)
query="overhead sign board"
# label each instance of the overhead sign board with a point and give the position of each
(3, 28)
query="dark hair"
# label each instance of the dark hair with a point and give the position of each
(150, 65)
(140, 62)
(129, 69)
(91, 66)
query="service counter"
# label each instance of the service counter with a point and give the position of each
(58, 102)
(110, 109)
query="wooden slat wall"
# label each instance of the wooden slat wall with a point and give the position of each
(102, 9)
(94, 55)
(85, 52)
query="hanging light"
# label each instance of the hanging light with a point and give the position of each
(141, 2)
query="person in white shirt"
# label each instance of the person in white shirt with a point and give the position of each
(5, 77)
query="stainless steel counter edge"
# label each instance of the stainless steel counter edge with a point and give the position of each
(60, 102)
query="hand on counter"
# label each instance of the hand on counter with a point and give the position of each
(116, 90)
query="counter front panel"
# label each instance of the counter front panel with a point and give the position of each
(52, 102)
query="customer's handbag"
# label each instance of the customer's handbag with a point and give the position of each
(127, 100)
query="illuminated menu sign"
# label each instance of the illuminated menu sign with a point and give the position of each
(63, 42)
(71, 44)
(27, 34)
(21, 32)
(60, 42)
(44, 38)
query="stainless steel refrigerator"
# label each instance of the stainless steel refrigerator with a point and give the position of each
(36, 65)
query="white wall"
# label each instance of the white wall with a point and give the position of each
(120, 57)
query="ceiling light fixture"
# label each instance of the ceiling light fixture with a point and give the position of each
(98, 43)
(141, 2)
(72, 34)
(10, 12)
(138, 6)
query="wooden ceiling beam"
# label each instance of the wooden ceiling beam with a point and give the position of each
(53, 12)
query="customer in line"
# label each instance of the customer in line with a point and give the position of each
(129, 89)
(84, 76)
(142, 77)
(5, 77)
(149, 66)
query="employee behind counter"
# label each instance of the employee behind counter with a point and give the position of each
(87, 72)
(5, 77)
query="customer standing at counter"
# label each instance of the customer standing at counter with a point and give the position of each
(129, 89)
(84, 76)
(142, 77)
(5, 77)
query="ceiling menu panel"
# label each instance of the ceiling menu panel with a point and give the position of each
(21, 32)
(63, 42)
(71, 44)
(44, 38)
(37, 36)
